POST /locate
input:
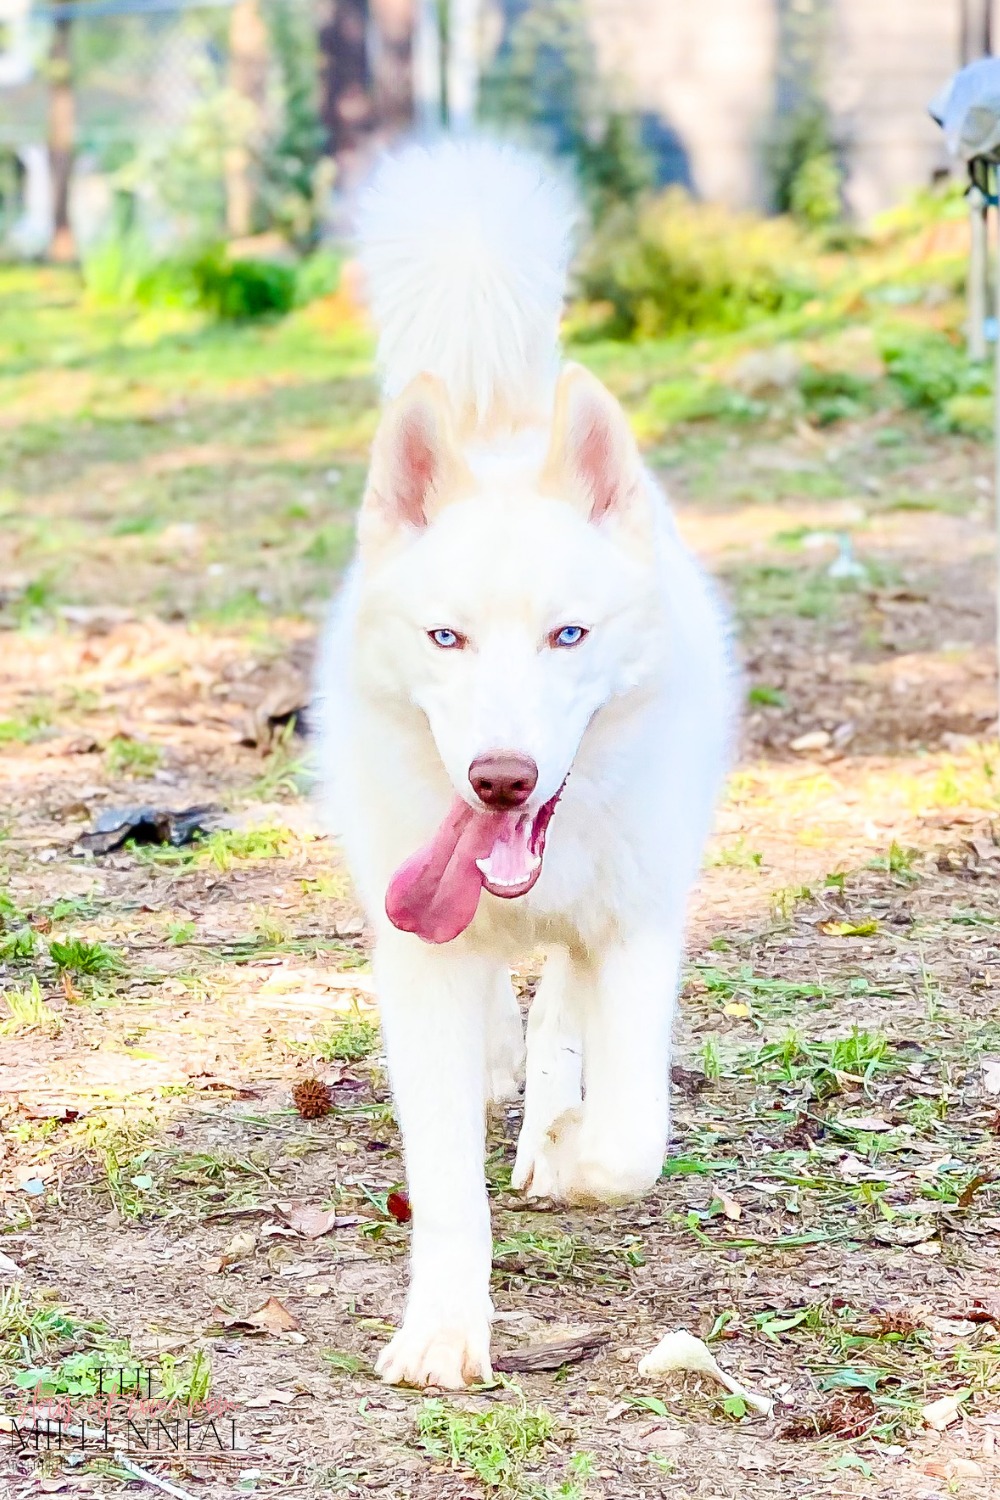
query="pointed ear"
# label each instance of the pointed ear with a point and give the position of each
(593, 460)
(416, 466)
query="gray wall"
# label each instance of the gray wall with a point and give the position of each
(709, 69)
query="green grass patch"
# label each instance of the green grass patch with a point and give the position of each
(127, 757)
(526, 1256)
(765, 590)
(81, 958)
(350, 1040)
(25, 1010)
(497, 1446)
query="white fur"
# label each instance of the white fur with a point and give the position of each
(465, 248)
(638, 715)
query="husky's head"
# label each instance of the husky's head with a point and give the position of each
(509, 607)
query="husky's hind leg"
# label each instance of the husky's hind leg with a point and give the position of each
(434, 1004)
(554, 1067)
(610, 1149)
(504, 1043)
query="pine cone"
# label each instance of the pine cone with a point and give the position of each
(312, 1098)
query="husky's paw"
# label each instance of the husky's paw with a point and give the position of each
(566, 1166)
(430, 1353)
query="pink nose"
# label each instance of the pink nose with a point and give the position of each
(503, 778)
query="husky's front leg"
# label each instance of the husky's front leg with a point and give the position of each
(610, 1149)
(433, 1003)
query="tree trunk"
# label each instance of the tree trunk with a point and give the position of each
(463, 63)
(392, 66)
(62, 137)
(428, 66)
(248, 48)
(345, 99)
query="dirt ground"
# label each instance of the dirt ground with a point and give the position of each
(829, 1215)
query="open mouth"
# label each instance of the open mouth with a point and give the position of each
(515, 861)
(436, 893)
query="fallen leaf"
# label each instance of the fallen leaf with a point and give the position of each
(730, 1208)
(866, 928)
(43, 1109)
(272, 1317)
(271, 1396)
(951, 1468)
(816, 739)
(903, 1232)
(9, 1267)
(981, 1312)
(312, 1222)
(736, 1009)
(398, 1205)
(941, 1413)
(873, 1123)
(283, 707)
(952, 1328)
(849, 1416)
(240, 1247)
(551, 1356)
(655, 1438)
(301, 1268)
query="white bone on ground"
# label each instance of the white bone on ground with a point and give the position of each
(682, 1351)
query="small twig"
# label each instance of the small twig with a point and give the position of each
(153, 1479)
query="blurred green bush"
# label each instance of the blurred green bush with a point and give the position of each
(672, 264)
(933, 375)
(124, 270)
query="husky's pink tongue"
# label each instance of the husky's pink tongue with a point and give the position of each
(436, 892)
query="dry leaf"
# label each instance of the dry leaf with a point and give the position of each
(951, 1468)
(730, 1208)
(655, 1438)
(43, 1109)
(873, 1123)
(240, 1247)
(301, 1268)
(816, 739)
(272, 1396)
(941, 1413)
(310, 1221)
(272, 1317)
(9, 1267)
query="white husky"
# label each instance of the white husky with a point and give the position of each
(527, 692)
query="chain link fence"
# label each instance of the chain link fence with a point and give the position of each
(162, 122)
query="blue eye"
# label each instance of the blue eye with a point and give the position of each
(448, 640)
(569, 635)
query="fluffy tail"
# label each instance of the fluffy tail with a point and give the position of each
(465, 248)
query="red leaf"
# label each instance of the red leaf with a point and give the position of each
(398, 1205)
